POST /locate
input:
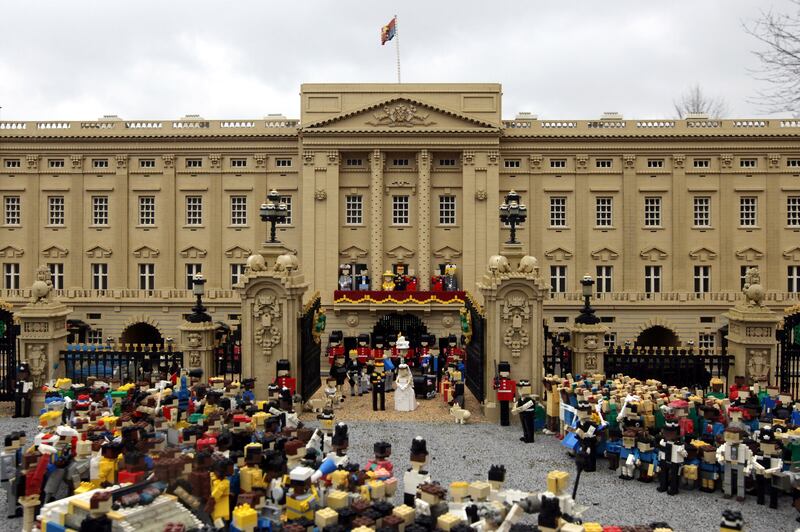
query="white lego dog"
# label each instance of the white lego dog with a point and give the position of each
(462, 415)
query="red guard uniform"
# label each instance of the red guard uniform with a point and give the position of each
(455, 355)
(506, 392)
(363, 354)
(378, 353)
(335, 351)
(287, 382)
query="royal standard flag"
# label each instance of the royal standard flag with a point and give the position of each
(387, 32)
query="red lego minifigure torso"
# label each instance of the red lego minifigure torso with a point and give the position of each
(506, 389)
(287, 382)
(436, 283)
(377, 353)
(362, 354)
(333, 352)
(686, 426)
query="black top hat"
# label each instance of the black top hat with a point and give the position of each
(335, 336)
(392, 338)
(381, 447)
(340, 436)
(363, 337)
(196, 373)
(419, 446)
(431, 338)
(504, 366)
(451, 339)
(378, 339)
(283, 364)
(23, 366)
(497, 473)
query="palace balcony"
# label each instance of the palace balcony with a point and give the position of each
(380, 300)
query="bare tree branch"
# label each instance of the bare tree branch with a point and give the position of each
(695, 101)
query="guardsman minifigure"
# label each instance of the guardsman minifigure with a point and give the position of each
(671, 455)
(767, 465)
(23, 391)
(363, 351)
(506, 390)
(335, 346)
(283, 372)
(378, 382)
(736, 459)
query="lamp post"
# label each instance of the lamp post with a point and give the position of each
(273, 211)
(587, 316)
(513, 213)
(198, 314)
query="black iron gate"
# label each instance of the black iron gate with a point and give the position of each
(557, 357)
(411, 326)
(8, 354)
(789, 355)
(476, 354)
(309, 350)
(228, 353)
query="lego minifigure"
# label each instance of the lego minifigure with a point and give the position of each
(283, 375)
(736, 459)
(354, 374)
(431, 500)
(378, 382)
(219, 502)
(382, 451)
(767, 465)
(362, 280)
(302, 499)
(415, 475)
(345, 277)
(450, 283)
(556, 502)
(335, 347)
(23, 391)
(506, 390)
(98, 520)
(388, 281)
(586, 430)
(646, 458)
(671, 455)
(404, 397)
(526, 409)
(400, 278)
(339, 374)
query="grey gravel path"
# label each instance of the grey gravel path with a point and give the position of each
(466, 452)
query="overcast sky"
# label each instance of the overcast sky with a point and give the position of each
(144, 59)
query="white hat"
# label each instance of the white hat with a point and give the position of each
(301, 473)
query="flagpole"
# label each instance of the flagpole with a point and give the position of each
(397, 46)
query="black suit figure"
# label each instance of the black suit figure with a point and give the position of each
(378, 387)
(23, 390)
(586, 458)
(526, 408)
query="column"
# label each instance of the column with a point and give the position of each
(631, 226)
(216, 225)
(309, 220)
(376, 219)
(472, 195)
(493, 201)
(586, 343)
(328, 201)
(424, 220)
(682, 271)
(728, 222)
(169, 264)
(77, 219)
(772, 218)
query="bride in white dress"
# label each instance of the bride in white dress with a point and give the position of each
(404, 398)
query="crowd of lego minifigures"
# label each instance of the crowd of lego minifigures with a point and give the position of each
(185, 454)
(400, 280)
(392, 364)
(743, 440)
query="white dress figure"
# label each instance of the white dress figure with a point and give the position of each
(404, 399)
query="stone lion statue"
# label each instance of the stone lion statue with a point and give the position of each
(42, 286)
(528, 264)
(256, 263)
(286, 263)
(498, 264)
(752, 289)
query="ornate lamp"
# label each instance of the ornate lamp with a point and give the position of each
(198, 314)
(513, 213)
(273, 211)
(587, 316)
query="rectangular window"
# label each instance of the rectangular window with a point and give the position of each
(558, 163)
(748, 163)
(447, 210)
(558, 279)
(558, 211)
(793, 276)
(191, 271)
(701, 163)
(13, 163)
(55, 210)
(11, 210)
(511, 163)
(57, 274)
(655, 163)
(147, 277)
(603, 163)
(99, 210)
(238, 163)
(55, 163)
(447, 162)
(353, 209)
(400, 162)
(147, 163)
(605, 275)
(94, 336)
(610, 340)
(238, 210)
(793, 163)
(100, 276)
(652, 279)
(702, 211)
(748, 211)
(707, 340)
(354, 162)
(604, 211)
(743, 274)
(194, 163)
(400, 210)
(99, 163)
(283, 163)
(237, 273)
(194, 210)
(11, 276)
(793, 211)
(287, 200)
(652, 211)
(702, 279)
(147, 210)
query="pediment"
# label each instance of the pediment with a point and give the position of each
(558, 254)
(604, 254)
(749, 254)
(98, 252)
(54, 252)
(447, 253)
(653, 254)
(353, 253)
(702, 254)
(193, 252)
(400, 115)
(237, 252)
(400, 253)
(11, 251)
(792, 254)
(145, 252)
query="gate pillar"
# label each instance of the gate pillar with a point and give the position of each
(513, 306)
(586, 343)
(272, 303)
(43, 334)
(751, 333)
(197, 345)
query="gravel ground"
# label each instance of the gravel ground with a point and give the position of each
(466, 452)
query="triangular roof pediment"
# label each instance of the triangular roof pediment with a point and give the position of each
(792, 253)
(353, 252)
(702, 254)
(193, 252)
(558, 254)
(400, 252)
(749, 254)
(447, 253)
(98, 252)
(400, 114)
(145, 252)
(237, 252)
(605, 254)
(11, 251)
(54, 252)
(653, 254)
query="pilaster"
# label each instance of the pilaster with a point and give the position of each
(216, 225)
(376, 161)
(197, 344)
(728, 222)
(311, 239)
(169, 279)
(424, 219)
(682, 270)
(472, 197)
(631, 206)
(586, 343)
(327, 200)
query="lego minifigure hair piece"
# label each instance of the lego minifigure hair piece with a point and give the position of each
(497, 473)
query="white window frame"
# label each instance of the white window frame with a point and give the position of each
(604, 279)
(194, 162)
(748, 163)
(11, 276)
(57, 274)
(289, 220)
(707, 341)
(652, 211)
(604, 211)
(558, 278)
(655, 163)
(238, 210)
(354, 209)
(56, 211)
(558, 163)
(194, 210)
(748, 211)
(12, 210)
(793, 211)
(283, 162)
(147, 276)
(447, 209)
(238, 162)
(99, 276)
(558, 211)
(793, 278)
(99, 163)
(604, 163)
(192, 269)
(702, 279)
(652, 279)
(13, 163)
(55, 163)
(237, 273)
(701, 163)
(147, 163)
(512, 163)
(147, 210)
(100, 210)
(702, 211)
(401, 209)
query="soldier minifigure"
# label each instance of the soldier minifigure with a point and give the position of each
(23, 391)
(335, 347)
(283, 372)
(506, 390)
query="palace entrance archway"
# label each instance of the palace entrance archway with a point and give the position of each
(411, 326)
(141, 333)
(658, 336)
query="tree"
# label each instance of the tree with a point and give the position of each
(780, 60)
(694, 100)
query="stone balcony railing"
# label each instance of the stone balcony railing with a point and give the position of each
(145, 296)
(620, 127)
(155, 128)
(771, 297)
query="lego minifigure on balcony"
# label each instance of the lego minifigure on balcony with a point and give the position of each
(450, 282)
(345, 277)
(362, 280)
(388, 281)
(400, 277)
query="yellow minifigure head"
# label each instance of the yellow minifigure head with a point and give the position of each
(64, 383)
